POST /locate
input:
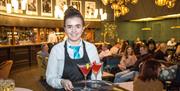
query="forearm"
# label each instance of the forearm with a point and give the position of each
(54, 82)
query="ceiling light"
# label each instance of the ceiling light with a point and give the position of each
(167, 3)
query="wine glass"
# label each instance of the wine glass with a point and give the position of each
(95, 69)
(85, 69)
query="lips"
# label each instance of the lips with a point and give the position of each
(74, 35)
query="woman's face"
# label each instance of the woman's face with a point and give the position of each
(151, 46)
(129, 50)
(74, 28)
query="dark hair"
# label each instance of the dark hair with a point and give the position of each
(72, 12)
(144, 46)
(124, 45)
(50, 45)
(149, 70)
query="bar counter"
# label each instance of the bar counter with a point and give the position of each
(24, 54)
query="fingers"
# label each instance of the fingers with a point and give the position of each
(67, 85)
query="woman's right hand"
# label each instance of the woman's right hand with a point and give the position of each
(67, 84)
(122, 67)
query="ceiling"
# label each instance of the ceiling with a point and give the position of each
(147, 8)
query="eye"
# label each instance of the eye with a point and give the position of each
(68, 27)
(78, 26)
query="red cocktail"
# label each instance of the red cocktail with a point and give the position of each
(96, 67)
(85, 69)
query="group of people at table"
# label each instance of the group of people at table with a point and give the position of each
(63, 60)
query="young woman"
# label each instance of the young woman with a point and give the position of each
(148, 78)
(62, 69)
(128, 59)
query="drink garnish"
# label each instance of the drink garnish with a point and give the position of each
(87, 66)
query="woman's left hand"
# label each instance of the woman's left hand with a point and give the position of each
(67, 85)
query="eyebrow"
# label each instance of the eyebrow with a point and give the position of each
(75, 25)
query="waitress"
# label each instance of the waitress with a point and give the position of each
(62, 67)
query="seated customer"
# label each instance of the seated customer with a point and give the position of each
(42, 57)
(115, 49)
(161, 54)
(129, 74)
(44, 53)
(104, 52)
(148, 78)
(128, 59)
(176, 55)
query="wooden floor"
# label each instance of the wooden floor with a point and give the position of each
(27, 77)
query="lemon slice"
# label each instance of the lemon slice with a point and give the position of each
(87, 66)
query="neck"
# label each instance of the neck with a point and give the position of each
(74, 42)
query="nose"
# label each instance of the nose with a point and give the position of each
(74, 29)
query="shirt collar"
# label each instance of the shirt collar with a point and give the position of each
(80, 44)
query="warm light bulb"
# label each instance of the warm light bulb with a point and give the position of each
(134, 1)
(170, 4)
(160, 2)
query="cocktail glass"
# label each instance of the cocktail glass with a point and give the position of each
(95, 69)
(85, 69)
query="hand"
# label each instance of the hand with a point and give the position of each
(122, 67)
(67, 85)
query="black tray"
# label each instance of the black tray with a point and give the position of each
(95, 85)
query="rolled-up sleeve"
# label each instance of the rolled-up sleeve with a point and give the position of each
(55, 68)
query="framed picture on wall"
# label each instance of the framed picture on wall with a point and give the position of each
(3, 4)
(32, 7)
(61, 3)
(19, 8)
(76, 4)
(46, 7)
(90, 7)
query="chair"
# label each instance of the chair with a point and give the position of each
(111, 64)
(5, 68)
(42, 66)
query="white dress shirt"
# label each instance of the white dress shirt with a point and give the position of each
(56, 62)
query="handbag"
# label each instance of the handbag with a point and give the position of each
(169, 73)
